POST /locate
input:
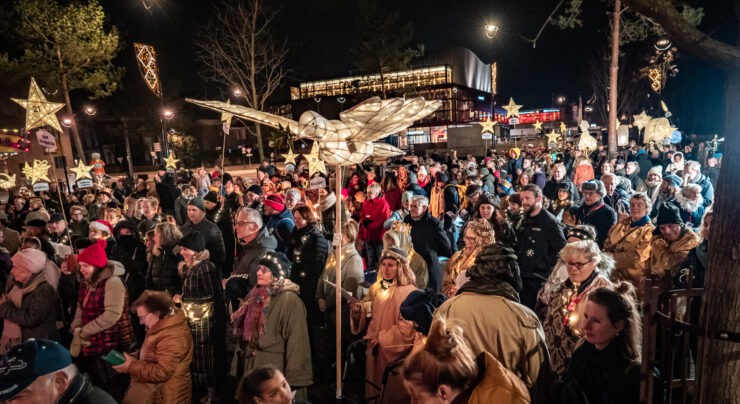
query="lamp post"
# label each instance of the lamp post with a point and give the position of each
(491, 30)
(167, 115)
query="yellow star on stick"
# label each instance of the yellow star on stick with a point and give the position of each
(563, 128)
(37, 172)
(512, 109)
(552, 137)
(487, 126)
(315, 164)
(39, 112)
(171, 161)
(225, 116)
(81, 171)
(538, 125)
(7, 181)
(641, 120)
(290, 156)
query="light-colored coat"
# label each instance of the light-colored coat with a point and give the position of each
(630, 248)
(665, 257)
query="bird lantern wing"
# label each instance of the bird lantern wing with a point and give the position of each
(264, 118)
(386, 150)
(374, 119)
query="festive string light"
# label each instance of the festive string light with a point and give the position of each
(81, 171)
(39, 112)
(37, 172)
(512, 109)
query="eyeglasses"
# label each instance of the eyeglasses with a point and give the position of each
(471, 239)
(242, 223)
(578, 265)
(141, 319)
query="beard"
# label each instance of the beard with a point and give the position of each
(688, 204)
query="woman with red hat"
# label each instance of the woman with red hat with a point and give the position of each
(101, 323)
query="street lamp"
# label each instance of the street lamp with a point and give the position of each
(237, 92)
(491, 30)
(561, 99)
(90, 110)
(67, 122)
(168, 114)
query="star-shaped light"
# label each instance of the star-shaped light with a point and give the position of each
(315, 164)
(37, 172)
(538, 125)
(82, 171)
(290, 156)
(7, 181)
(171, 161)
(487, 126)
(552, 137)
(39, 112)
(641, 120)
(512, 109)
(225, 116)
(563, 128)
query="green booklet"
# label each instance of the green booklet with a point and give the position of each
(114, 358)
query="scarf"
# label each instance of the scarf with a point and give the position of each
(326, 203)
(249, 320)
(645, 220)
(12, 333)
(490, 286)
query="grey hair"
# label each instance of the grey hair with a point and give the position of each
(253, 215)
(604, 262)
(423, 200)
(375, 187)
(610, 175)
(292, 191)
(634, 165)
(644, 198)
(694, 165)
(558, 166)
(692, 187)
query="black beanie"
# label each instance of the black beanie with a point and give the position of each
(193, 241)
(255, 189)
(419, 307)
(668, 214)
(198, 203)
(277, 263)
(490, 199)
(211, 196)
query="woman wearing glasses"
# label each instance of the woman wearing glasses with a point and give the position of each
(588, 269)
(478, 233)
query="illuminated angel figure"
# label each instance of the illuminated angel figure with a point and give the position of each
(348, 140)
(586, 143)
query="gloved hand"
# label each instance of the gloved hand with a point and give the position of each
(366, 222)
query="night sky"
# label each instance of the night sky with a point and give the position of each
(320, 35)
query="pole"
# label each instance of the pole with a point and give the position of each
(59, 193)
(613, 78)
(223, 151)
(338, 281)
(128, 148)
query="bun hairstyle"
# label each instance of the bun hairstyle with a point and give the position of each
(445, 359)
(621, 305)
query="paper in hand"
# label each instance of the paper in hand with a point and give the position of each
(345, 294)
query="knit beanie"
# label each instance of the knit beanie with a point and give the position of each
(94, 255)
(594, 185)
(655, 170)
(193, 241)
(496, 261)
(30, 259)
(255, 189)
(275, 201)
(674, 180)
(668, 214)
(211, 196)
(419, 307)
(102, 225)
(277, 263)
(198, 203)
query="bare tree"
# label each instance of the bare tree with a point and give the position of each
(628, 86)
(238, 51)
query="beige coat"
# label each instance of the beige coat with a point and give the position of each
(666, 258)
(630, 248)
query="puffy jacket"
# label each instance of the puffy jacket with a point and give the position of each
(281, 227)
(161, 374)
(601, 218)
(168, 192)
(221, 216)
(630, 247)
(310, 250)
(162, 273)
(378, 211)
(498, 384)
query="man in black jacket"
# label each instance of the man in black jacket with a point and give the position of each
(167, 191)
(593, 211)
(218, 213)
(551, 187)
(540, 239)
(428, 237)
(214, 240)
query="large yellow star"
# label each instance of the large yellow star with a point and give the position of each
(538, 125)
(641, 120)
(315, 164)
(563, 128)
(39, 112)
(487, 126)
(82, 171)
(552, 137)
(7, 181)
(290, 156)
(171, 161)
(512, 109)
(37, 172)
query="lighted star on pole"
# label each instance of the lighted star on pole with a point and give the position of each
(487, 126)
(39, 112)
(225, 116)
(512, 109)
(538, 125)
(82, 171)
(552, 137)
(290, 156)
(315, 164)
(37, 172)
(563, 128)
(171, 161)
(641, 120)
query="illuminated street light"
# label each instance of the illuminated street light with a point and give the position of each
(90, 110)
(237, 92)
(561, 99)
(589, 109)
(491, 30)
(663, 44)
(67, 122)
(168, 114)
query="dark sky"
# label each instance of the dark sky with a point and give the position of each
(321, 33)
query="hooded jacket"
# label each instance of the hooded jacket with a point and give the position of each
(430, 241)
(250, 253)
(418, 266)
(281, 225)
(667, 257)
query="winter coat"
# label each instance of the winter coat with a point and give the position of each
(707, 189)
(666, 258)
(630, 248)
(221, 216)
(251, 252)
(540, 239)
(281, 226)
(551, 190)
(38, 313)
(430, 241)
(214, 240)
(619, 201)
(285, 342)
(82, 391)
(328, 218)
(310, 250)
(583, 173)
(162, 272)
(393, 197)
(181, 210)
(131, 253)
(161, 374)
(377, 211)
(497, 384)
(79, 229)
(509, 331)
(599, 215)
(540, 179)
(645, 165)
(635, 181)
(599, 377)
(168, 192)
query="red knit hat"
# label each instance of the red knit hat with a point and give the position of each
(275, 201)
(95, 254)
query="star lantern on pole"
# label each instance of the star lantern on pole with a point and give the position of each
(82, 171)
(512, 109)
(487, 126)
(552, 137)
(641, 120)
(171, 161)
(39, 112)
(37, 172)
(563, 128)
(290, 156)
(538, 125)
(315, 164)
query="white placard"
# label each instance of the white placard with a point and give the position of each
(84, 183)
(46, 139)
(513, 120)
(317, 183)
(40, 186)
(486, 135)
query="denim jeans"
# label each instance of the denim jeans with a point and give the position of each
(372, 251)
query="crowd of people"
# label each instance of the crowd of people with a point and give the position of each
(511, 278)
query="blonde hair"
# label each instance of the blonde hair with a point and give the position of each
(169, 234)
(350, 229)
(483, 231)
(445, 359)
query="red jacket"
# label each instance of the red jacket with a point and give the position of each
(378, 211)
(393, 197)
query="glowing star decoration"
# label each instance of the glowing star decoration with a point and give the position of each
(487, 126)
(552, 137)
(37, 172)
(39, 112)
(7, 181)
(538, 125)
(147, 61)
(171, 161)
(641, 120)
(82, 171)
(290, 156)
(563, 128)
(512, 109)
(226, 119)
(349, 140)
(315, 165)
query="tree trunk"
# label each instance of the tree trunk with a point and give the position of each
(613, 78)
(258, 133)
(719, 361)
(75, 133)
